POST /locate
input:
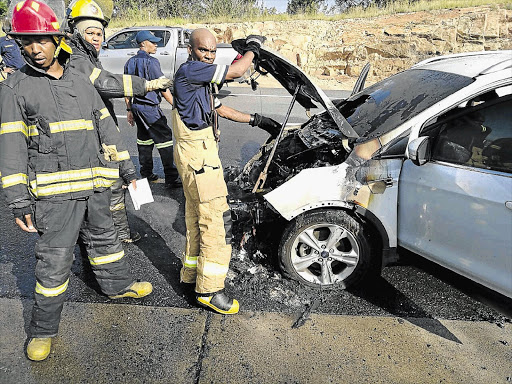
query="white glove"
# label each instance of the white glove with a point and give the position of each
(160, 83)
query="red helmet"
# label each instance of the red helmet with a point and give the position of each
(32, 17)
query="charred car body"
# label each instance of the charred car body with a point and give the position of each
(390, 166)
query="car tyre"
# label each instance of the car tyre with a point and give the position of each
(327, 248)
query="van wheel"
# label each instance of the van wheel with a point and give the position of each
(326, 248)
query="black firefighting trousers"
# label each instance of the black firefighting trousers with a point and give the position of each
(60, 223)
(118, 209)
(152, 130)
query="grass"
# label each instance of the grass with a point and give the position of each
(418, 6)
(148, 17)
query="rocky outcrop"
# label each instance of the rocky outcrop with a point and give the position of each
(334, 52)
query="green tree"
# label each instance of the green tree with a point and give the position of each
(189, 9)
(304, 6)
(3, 8)
(229, 8)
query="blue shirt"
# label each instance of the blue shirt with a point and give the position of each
(192, 92)
(11, 53)
(147, 67)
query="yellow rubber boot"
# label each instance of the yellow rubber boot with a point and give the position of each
(136, 290)
(219, 302)
(38, 348)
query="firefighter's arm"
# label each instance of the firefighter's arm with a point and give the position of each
(111, 85)
(14, 134)
(233, 114)
(129, 113)
(167, 96)
(255, 120)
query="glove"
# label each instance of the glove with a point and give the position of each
(253, 43)
(19, 213)
(160, 83)
(266, 123)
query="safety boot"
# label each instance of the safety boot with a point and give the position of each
(219, 302)
(134, 237)
(136, 290)
(152, 178)
(38, 348)
(176, 183)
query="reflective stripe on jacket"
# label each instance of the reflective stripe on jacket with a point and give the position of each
(56, 138)
(109, 85)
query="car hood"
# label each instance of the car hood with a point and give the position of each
(290, 77)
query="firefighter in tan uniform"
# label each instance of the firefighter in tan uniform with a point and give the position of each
(207, 215)
(60, 151)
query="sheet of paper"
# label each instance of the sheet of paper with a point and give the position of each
(141, 195)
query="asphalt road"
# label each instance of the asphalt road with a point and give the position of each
(414, 288)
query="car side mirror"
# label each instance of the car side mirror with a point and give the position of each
(104, 45)
(419, 150)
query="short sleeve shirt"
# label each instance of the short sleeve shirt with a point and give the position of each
(11, 53)
(147, 67)
(192, 92)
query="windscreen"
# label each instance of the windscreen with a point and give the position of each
(387, 104)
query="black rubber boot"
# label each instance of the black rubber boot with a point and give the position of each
(151, 177)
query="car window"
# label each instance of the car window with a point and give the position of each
(480, 136)
(186, 37)
(387, 104)
(164, 35)
(126, 40)
(123, 41)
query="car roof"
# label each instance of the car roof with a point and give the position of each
(470, 64)
(157, 27)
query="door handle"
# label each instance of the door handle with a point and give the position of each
(508, 204)
(165, 53)
(131, 53)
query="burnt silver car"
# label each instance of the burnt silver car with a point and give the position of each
(421, 160)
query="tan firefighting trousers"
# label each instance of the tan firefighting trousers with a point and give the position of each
(207, 215)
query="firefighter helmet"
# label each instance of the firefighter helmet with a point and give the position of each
(85, 9)
(32, 17)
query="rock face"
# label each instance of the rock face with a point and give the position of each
(334, 52)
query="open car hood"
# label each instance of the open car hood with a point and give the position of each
(290, 77)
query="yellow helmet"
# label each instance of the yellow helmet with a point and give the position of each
(85, 9)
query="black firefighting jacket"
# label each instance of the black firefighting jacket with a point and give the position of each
(57, 139)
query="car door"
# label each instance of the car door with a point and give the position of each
(121, 46)
(457, 209)
(117, 50)
(165, 51)
(182, 50)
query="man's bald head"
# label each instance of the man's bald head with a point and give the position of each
(202, 46)
(202, 36)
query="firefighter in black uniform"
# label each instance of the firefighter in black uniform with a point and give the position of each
(86, 21)
(145, 112)
(60, 151)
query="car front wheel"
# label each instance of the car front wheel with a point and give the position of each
(326, 248)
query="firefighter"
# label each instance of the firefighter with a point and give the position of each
(86, 22)
(60, 151)
(10, 51)
(145, 112)
(207, 215)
